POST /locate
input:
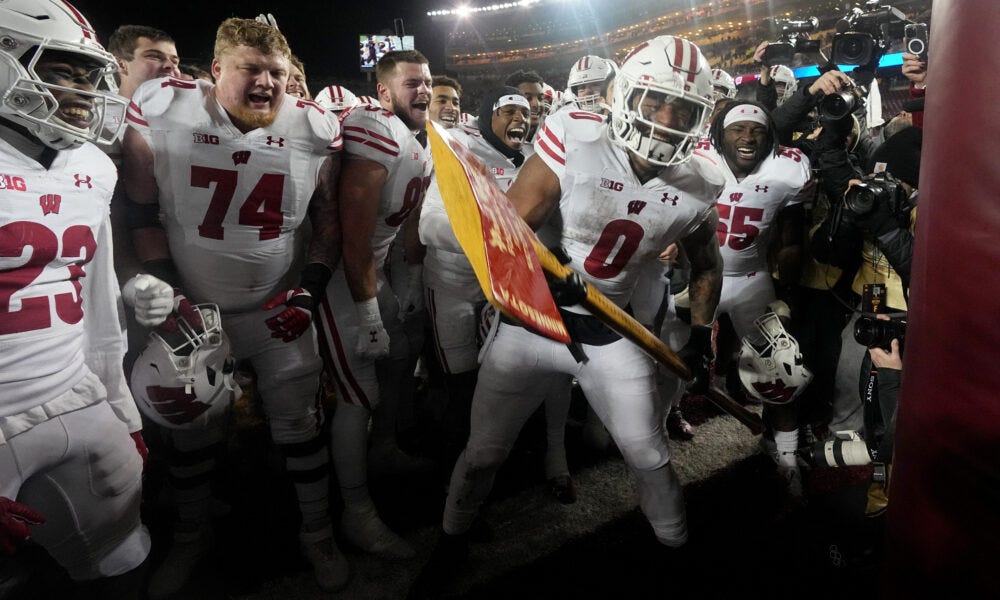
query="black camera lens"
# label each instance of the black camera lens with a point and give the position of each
(861, 198)
(838, 105)
(853, 48)
(875, 333)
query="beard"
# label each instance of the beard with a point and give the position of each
(402, 111)
(254, 118)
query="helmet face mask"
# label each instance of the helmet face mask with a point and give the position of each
(665, 70)
(34, 34)
(784, 75)
(184, 377)
(770, 364)
(723, 84)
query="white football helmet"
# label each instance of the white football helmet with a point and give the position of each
(590, 69)
(469, 120)
(723, 84)
(368, 101)
(184, 378)
(676, 71)
(782, 74)
(770, 363)
(336, 98)
(33, 29)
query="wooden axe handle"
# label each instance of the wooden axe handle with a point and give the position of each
(722, 400)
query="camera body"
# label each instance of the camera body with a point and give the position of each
(862, 198)
(864, 34)
(838, 105)
(792, 38)
(916, 39)
(878, 333)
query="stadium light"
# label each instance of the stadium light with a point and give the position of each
(465, 10)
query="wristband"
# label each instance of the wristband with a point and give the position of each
(368, 312)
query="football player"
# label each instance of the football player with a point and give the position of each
(626, 189)
(386, 171)
(446, 102)
(760, 215)
(297, 80)
(589, 80)
(221, 179)
(71, 449)
(723, 85)
(529, 84)
(454, 298)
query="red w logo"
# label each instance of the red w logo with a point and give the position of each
(735, 197)
(775, 392)
(635, 207)
(50, 203)
(174, 404)
(241, 158)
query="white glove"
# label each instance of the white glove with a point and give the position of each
(412, 301)
(267, 19)
(152, 298)
(373, 339)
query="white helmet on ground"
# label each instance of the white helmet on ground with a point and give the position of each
(770, 363)
(667, 69)
(31, 30)
(336, 98)
(590, 69)
(782, 74)
(723, 84)
(184, 378)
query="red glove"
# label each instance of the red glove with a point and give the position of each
(140, 446)
(182, 308)
(15, 522)
(292, 322)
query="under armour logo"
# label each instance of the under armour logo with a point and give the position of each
(760, 188)
(671, 199)
(50, 203)
(374, 335)
(83, 180)
(280, 142)
(241, 158)
(736, 197)
(775, 391)
(635, 207)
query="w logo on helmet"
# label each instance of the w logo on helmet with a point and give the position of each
(775, 391)
(175, 404)
(50, 203)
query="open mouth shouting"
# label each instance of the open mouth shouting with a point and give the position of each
(259, 100)
(514, 136)
(449, 118)
(76, 114)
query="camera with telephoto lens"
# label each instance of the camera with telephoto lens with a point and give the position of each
(879, 333)
(864, 34)
(792, 38)
(846, 449)
(916, 39)
(840, 104)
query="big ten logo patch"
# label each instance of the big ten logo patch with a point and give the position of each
(13, 182)
(615, 186)
(206, 138)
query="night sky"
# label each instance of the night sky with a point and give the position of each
(323, 34)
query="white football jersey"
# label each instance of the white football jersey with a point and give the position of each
(59, 299)
(232, 203)
(373, 133)
(445, 262)
(748, 208)
(612, 224)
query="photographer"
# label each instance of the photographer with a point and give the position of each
(869, 233)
